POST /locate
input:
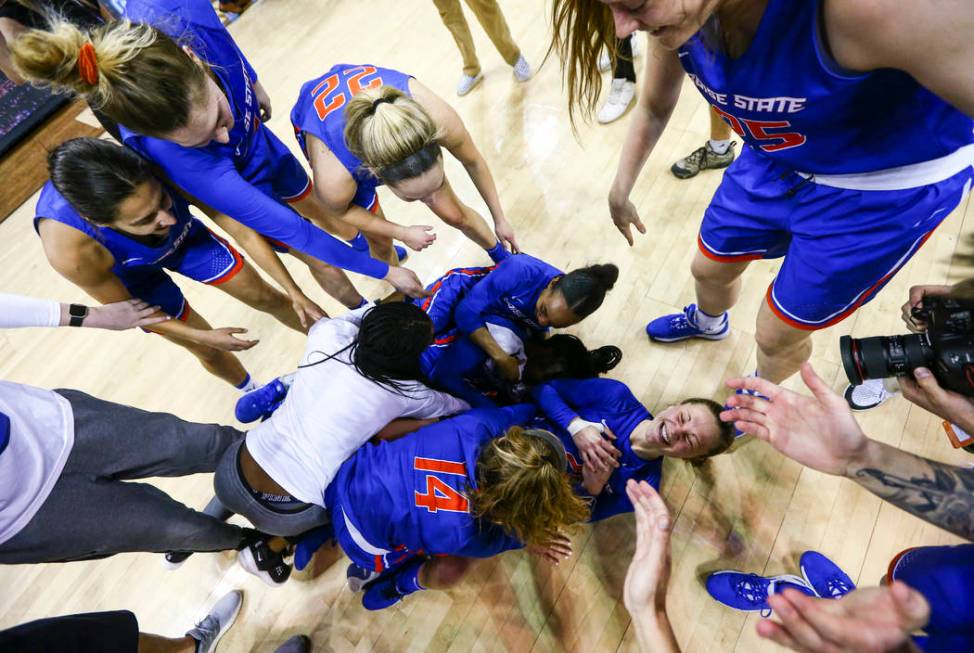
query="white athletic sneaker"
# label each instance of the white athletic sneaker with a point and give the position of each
(621, 95)
(522, 69)
(870, 394)
(467, 83)
(605, 62)
(211, 628)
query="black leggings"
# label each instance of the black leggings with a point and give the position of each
(624, 68)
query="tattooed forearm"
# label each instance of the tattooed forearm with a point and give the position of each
(940, 494)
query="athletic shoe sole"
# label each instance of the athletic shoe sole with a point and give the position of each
(704, 336)
(858, 408)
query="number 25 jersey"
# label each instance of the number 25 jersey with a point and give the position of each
(788, 99)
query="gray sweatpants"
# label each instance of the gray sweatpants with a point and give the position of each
(94, 512)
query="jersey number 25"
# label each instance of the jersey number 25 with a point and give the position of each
(327, 100)
(439, 495)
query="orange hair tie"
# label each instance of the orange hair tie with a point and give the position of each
(88, 64)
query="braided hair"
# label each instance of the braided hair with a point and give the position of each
(388, 345)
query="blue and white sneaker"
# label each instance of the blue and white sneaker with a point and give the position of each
(682, 326)
(750, 592)
(393, 586)
(358, 577)
(744, 391)
(262, 402)
(824, 576)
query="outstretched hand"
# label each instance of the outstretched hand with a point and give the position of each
(649, 571)
(818, 431)
(870, 620)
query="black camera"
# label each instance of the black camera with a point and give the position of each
(946, 348)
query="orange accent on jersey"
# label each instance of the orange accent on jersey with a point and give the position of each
(322, 105)
(440, 496)
(355, 84)
(444, 466)
(725, 259)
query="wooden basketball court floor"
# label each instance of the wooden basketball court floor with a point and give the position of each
(751, 510)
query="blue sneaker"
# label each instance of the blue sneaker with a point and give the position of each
(401, 252)
(824, 576)
(681, 326)
(260, 403)
(749, 592)
(358, 577)
(393, 586)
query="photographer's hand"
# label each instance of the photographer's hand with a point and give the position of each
(924, 391)
(917, 293)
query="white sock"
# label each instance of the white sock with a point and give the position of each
(248, 385)
(720, 147)
(710, 323)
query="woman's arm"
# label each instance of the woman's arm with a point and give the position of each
(18, 311)
(456, 139)
(215, 181)
(657, 98)
(336, 188)
(88, 265)
(266, 259)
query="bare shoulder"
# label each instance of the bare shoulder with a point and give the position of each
(444, 115)
(66, 246)
(870, 34)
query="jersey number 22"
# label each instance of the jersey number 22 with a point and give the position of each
(326, 100)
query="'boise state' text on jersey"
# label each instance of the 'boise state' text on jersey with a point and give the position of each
(131, 256)
(787, 98)
(320, 109)
(412, 494)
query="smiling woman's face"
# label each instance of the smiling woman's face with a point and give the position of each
(681, 431)
(670, 22)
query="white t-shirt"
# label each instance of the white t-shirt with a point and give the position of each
(331, 411)
(41, 437)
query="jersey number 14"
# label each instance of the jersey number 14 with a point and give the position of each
(439, 495)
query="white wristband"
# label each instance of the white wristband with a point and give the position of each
(579, 424)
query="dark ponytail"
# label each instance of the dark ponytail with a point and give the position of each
(95, 176)
(566, 356)
(389, 343)
(584, 289)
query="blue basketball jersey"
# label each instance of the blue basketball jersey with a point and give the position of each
(411, 495)
(320, 109)
(788, 99)
(131, 256)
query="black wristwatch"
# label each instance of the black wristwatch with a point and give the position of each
(78, 313)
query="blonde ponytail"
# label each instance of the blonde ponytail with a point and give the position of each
(523, 487)
(384, 127)
(143, 79)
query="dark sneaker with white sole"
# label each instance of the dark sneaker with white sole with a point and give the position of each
(174, 559)
(258, 559)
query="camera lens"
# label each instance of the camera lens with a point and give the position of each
(884, 356)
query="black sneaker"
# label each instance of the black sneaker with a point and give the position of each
(702, 158)
(258, 559)
(174, 559)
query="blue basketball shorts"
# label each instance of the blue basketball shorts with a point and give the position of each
(447, 292)
(275, 170)
(840, 246)
(202, 256)
(944, 575)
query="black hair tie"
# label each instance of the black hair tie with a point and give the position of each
(376, 103)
